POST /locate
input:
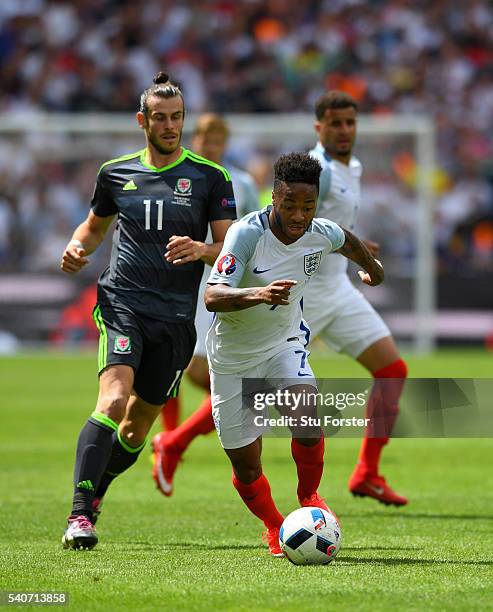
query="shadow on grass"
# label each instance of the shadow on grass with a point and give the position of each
(191, 546)
(418, 515)
(198, 546)
(382, 547)
(341, 559)
(403, 561)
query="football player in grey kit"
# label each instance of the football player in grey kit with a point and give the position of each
(165, 198)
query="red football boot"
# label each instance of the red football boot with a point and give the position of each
(271, 537)
(316, 501)
(376, 487)
(165, 462)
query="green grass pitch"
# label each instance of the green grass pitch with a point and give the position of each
(201, 549)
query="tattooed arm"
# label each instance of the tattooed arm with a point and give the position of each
(354, 249)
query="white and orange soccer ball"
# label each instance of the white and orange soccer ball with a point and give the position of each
(310, 536)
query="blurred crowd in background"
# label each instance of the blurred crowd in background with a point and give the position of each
(250, 56)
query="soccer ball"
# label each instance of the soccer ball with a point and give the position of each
(310, 536)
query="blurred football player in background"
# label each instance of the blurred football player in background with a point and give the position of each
(209, 139)
(347, 322)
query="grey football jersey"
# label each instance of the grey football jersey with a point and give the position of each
(152, 205)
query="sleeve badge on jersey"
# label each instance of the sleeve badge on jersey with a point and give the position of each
(123, 344)
(227, 264)
(312, 262)
(228, 203)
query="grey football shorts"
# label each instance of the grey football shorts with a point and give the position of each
(158, 351)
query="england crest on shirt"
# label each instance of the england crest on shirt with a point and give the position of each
(312, 262)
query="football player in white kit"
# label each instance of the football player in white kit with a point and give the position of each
(347, 322)
(209, 139)
(256, 288)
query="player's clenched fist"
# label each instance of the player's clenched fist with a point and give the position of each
(277, 292)
(73, 258)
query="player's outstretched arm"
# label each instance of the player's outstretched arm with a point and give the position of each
(354, 249)
(223, 298)
(85, 240)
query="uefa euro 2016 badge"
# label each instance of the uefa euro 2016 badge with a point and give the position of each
(122, 344)
(227, 264)
(312, 262)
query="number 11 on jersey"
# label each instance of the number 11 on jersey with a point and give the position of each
(159, 204)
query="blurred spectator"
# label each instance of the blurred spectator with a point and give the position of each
(249, 56)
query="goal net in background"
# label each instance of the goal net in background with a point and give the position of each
(48, 165)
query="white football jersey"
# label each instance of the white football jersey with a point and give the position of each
(339, 200)
(251, 257)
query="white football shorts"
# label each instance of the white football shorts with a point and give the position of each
(344, 319)
(234, 422)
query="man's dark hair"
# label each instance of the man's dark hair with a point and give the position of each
(297, 168)
(333, 99)
(163, 88)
